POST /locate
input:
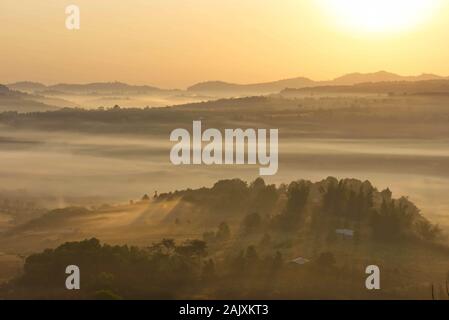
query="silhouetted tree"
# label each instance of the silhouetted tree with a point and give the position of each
(251, 223)
(224, 232)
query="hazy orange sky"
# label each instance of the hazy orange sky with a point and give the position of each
(175, 43)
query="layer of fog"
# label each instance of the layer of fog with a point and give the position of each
(69, 167)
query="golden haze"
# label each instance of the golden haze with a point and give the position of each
(177, 43)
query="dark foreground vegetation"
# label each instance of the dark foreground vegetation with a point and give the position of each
(299, 241)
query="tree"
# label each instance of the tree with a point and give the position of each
(265, 241)
(192, 248)
(208, 271)
(428, 231)
(257, 185)
(224, 232)
(251, 223)
(297, 197)
(251, 253)
(164, 247)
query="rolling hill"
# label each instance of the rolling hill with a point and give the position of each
(232, 89)
(426, 87)
(12, 100)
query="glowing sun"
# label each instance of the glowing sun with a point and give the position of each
(380, 15)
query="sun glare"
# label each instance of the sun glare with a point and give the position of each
(380, 15)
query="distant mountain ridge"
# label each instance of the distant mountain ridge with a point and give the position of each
(423, 87)
(217, 88)
(381, 76)
(103, 87)
(87, 88)
(301, 82)
(5, 91)
(266, 87)
(27, 86)
(14, 100)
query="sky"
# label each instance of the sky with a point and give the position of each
(176, 43)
